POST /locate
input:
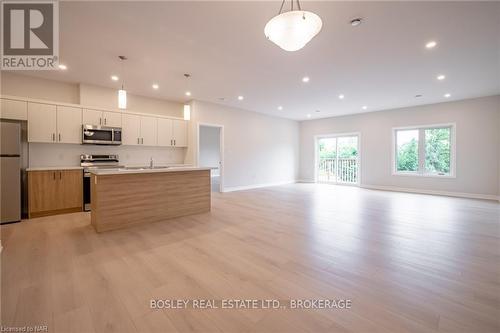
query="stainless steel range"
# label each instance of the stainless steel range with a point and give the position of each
(89, 162)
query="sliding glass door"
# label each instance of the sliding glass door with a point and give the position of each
(338, 159)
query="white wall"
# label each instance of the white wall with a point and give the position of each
(107, 98)
(477, 144)
(209, 147)
(28, 86)
(258, 149)
(87, 95)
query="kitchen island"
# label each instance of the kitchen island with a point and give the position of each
(130, 196)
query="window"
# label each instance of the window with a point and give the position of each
(407, 150)
(424, 151)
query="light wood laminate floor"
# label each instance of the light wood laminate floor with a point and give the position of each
(410, 263)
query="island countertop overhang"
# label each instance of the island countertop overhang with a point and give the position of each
(126, 171)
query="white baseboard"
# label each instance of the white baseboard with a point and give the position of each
(305, 181)
(432, 192)
(250, 187)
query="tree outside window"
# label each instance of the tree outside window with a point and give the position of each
(434, 158)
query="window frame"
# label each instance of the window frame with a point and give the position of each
(421, 172)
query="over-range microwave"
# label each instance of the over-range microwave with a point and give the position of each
(101, 135)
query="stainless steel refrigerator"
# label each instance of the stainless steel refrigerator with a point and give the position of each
(10, 171)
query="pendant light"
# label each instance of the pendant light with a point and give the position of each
(292, 30)
(187, 112)
(122, 93)
(187, 107)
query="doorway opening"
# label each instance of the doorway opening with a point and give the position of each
(210, 153)
(337, 159)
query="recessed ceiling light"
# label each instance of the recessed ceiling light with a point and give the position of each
(430, 44)
(240, 98)
(308, 115)
(418, 96)
(155, 86)
(305, 79)
(441, 77)
(188, 93)
(114, 78)
(357, 21)
(280, 108)
(341, 96)
(318, 111)
(63, 67)
(221, 98)
(364, 107)
(447, 95)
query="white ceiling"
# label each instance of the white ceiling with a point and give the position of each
(383, 63)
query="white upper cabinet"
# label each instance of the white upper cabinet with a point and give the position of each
(92, 117)
(12, 109)
(112, 119)
(63, 124)
(131, 129)
(165, 137)
(69, 124)
(172, 133)
(180, 133)
(103, 118)
(42, 123)
(148, 131)
(139, 130)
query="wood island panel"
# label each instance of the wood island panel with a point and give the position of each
(120, 200)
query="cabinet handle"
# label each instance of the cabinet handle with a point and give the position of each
(60, 175)
(171, 142)
(105, 120)
(100, 121)
(175, 143)
(138, 141)
(53, 136)
(142, 141)
(59, 136)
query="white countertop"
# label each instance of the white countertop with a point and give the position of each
(54, 168)
(77, 167)
(121, 171)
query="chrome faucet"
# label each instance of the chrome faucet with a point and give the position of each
(151, 163)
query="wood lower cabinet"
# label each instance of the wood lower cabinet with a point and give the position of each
(54, 192)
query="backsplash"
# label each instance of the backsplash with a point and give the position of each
(50, 154)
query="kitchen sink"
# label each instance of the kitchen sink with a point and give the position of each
(136, 168)
(145, 167)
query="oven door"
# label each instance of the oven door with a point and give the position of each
(86, 191)
(99, 135)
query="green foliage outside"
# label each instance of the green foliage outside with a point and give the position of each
(408, 156)
(437, 152)
(324, 152)
(345, 151)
